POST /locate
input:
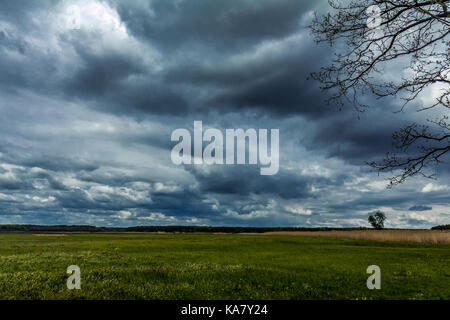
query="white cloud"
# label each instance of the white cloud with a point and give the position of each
(431, 187)
(298, 210)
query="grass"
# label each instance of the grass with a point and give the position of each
(216, 266)
(427, 236)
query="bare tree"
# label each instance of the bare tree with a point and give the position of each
(373, 35)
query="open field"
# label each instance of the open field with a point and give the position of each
(216, 266)
(426, 236)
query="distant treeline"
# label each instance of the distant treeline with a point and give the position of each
(442, 227)
(87, 228)
(204, 229)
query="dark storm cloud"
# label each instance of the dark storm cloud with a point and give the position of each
(100, 74)
(242, 181)
(105, 81)
(210, 28)
(10, 184)
(276, 83)
(356, 137)
(221, 25)
(420, 208)
(281, 89)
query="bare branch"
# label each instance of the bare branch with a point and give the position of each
(414, 29)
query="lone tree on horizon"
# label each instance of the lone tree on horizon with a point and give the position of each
(376, 34)
(377, 220)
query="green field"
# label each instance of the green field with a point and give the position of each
(213, 266)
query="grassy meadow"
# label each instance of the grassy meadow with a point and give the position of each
(219, 266)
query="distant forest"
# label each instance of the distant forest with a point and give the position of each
(203, 229)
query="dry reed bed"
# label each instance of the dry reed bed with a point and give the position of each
(427, 236)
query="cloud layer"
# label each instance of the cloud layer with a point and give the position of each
(90, 92)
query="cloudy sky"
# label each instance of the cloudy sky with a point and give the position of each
(90, 92)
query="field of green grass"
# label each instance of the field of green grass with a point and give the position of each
(215, 266)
